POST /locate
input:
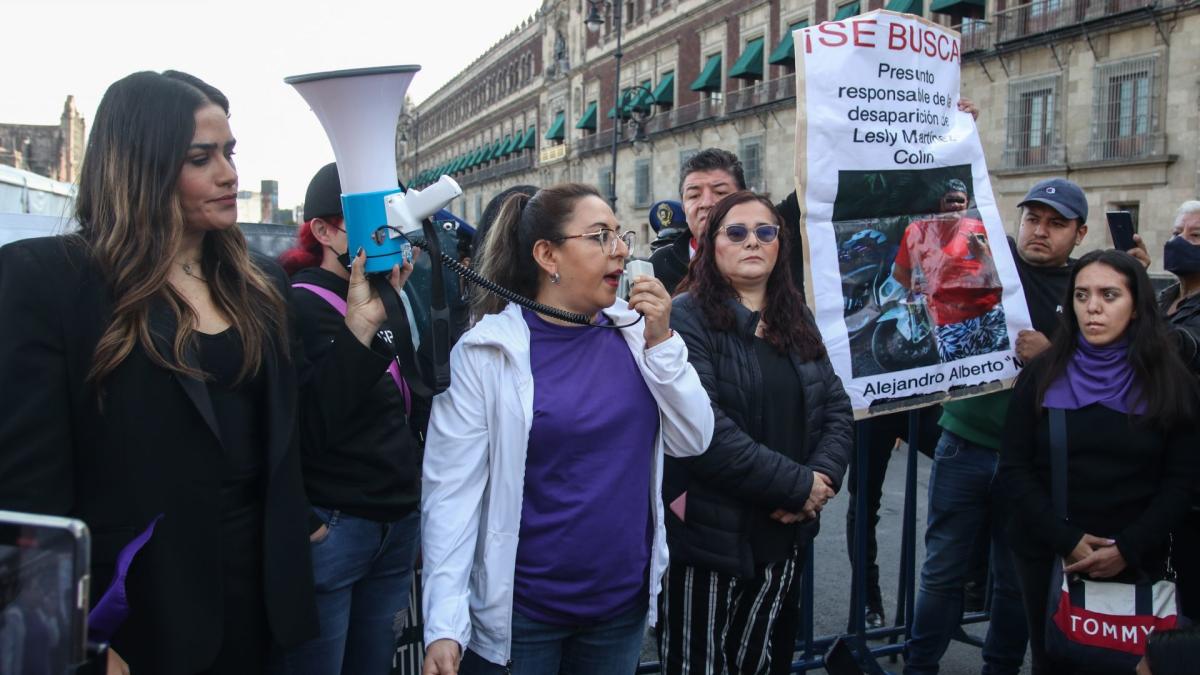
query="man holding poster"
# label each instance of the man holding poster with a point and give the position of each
(911, 298)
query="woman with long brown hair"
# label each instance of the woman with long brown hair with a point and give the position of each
(151, 390)
(743, 513)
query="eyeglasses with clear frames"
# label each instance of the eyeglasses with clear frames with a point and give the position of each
(607, 238)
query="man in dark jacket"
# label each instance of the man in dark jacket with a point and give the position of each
(705, 178)
(963, 492)
(1180, 304)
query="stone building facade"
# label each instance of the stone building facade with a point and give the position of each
(53, 150)
(1104, 92)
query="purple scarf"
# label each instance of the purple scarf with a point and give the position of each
(1097, 375)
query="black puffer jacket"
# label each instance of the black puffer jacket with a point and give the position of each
(1186, 322)
(738, 477)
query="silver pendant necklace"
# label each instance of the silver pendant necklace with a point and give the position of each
(187, 269)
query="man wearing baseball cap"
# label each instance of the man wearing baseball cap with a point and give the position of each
(963, 491)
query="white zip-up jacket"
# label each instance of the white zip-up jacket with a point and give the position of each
(473, 478)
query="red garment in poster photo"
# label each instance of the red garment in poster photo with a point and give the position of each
(957, 285)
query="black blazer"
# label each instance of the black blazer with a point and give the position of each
(150, 445)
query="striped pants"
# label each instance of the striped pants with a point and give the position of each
(716, 624)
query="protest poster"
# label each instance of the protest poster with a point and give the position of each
(911, 278)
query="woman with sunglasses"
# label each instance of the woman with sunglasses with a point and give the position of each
(542, 525)
(743, 513)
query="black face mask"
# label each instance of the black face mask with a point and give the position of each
(344, 259)
(1181, 257)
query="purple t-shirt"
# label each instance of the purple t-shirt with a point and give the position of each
(584, 550)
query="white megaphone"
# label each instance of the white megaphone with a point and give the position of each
(358, 109)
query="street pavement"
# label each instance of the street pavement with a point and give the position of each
(832, 568)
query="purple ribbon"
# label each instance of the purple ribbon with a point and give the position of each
(340, 305)
(113, 608)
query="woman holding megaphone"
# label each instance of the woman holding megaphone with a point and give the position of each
(542, 521)
(152, 388)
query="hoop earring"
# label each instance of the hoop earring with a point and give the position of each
(555, 278)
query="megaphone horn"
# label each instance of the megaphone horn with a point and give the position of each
(359, 108)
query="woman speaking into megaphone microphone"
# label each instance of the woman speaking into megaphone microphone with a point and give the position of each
(152, 387)
(541, 516)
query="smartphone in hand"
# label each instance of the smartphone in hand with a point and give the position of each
(1120, 226)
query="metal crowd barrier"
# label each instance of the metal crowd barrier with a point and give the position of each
(811, 649)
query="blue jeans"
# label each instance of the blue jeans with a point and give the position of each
(610, 648)
(963, 494)
(362, 571)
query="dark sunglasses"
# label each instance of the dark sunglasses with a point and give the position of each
(765, 233)
(954, 200)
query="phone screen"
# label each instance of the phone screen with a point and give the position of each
(43, 592)
(1120, 226)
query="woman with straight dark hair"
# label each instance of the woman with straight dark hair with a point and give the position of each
(743, 514)
(151, 387)
(541, 518)
(1131, 440)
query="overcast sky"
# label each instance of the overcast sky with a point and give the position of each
(52, 48)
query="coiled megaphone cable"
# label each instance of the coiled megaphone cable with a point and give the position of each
(512, 296)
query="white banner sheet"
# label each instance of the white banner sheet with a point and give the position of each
(909, 272)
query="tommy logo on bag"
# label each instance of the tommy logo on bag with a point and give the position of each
(1114, 616)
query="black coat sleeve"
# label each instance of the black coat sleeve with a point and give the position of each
(36, 443)
(836, 443)
(1172, 498)
(734, 461)
(1029, 497)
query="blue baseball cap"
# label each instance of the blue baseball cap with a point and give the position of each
(1061, 195)
(667, 213)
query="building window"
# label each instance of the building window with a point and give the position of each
(479, 207)
(604, 182)
(643, 192)
(1132, 207)
(1033, 135)
(750, 152)
(1125, 110)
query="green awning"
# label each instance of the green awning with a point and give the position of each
(664, 93)
(530, 142)
(486, 156)
(710, 77)
(904, 6)
(785, 51)
(847, 11)
(498, 148)
(588, 119)
(458, 163)
(643, 99)
(556, 132)
(749, 65)
(956, 7)
(512, 141)
(624, 109)
(474, 160)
